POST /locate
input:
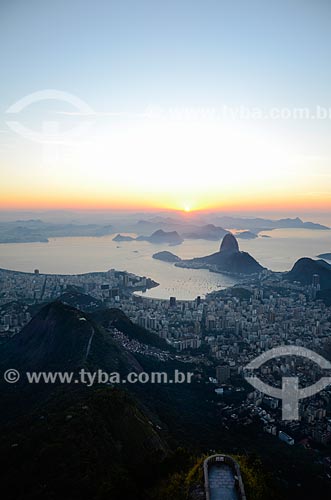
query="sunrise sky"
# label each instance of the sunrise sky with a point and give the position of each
(181, 104)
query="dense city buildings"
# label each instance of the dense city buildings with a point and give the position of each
(222, 332)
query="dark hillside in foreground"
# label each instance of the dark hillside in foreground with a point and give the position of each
(88, 447)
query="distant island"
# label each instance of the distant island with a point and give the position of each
(160, 236)
(166, 256)
(120, 237)
(246, 235)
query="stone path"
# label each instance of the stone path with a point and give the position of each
(221, 483)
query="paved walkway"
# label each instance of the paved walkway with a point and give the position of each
(221, 483)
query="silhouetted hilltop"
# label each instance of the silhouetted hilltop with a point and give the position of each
(229, 244)
(60, 337)
(228, 259)
(304, 269)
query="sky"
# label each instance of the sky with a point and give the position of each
(184, 105)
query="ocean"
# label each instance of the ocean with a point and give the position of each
(85, 254)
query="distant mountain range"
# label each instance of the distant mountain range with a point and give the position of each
(215, 227)
(212, 223)
(35, 230)
(265, 224)
(207, 232)
(209, 227)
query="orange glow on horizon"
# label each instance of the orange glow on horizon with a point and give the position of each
(165, 164)
(67, 201)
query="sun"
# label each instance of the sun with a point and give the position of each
(187, 208)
